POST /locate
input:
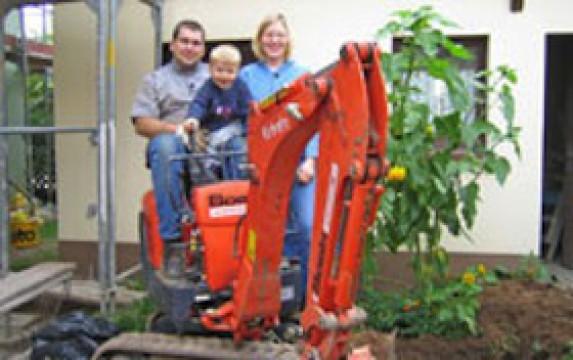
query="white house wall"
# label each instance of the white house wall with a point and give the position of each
(509, 217)
(75, 94)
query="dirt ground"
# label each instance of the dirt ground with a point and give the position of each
(518, 319)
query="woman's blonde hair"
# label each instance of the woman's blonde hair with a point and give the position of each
(268, 21)
(225, 53)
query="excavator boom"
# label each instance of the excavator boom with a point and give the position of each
(346, 105)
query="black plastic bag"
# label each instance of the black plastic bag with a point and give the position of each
(74, 336)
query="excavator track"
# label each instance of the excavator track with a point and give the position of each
(162, 346)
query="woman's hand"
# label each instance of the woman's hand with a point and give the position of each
(306, 170)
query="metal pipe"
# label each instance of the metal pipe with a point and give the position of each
(157, 17)
(4, 243)
(18, 130)
(102, 29)
(129, 273)
(112, 109)
(25, 70)
(10, 4)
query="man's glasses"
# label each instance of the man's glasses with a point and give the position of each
(186, 41)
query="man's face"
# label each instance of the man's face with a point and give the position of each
(223, 73)
(188, 48)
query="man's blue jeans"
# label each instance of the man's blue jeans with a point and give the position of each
(299, 226)
(167, 184)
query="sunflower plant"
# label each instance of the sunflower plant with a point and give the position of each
(438, 158)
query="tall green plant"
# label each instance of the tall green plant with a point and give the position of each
(438, 158)
(40, 90)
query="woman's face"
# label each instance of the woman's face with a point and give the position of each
(274, 41)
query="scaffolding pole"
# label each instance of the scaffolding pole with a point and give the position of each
(157, 18)
(109, 271)
(104, 276)
(4, 220)
(17, 130)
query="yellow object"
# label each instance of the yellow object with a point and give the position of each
(469, 278)
(18, 202)
(481, 269)
(429, 130)
(252, 245)
(396, 173)
(24, 233)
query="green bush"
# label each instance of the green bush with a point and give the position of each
(448, 309)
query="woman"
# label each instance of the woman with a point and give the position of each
(272, 46)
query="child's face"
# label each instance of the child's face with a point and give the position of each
(223, 73)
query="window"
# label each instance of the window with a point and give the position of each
(435, 91)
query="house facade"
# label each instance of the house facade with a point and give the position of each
(509, 221)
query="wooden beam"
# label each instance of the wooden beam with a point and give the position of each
(23, 286)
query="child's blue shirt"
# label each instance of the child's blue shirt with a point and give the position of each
(215, 107)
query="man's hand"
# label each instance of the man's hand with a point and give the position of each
(306, 170)
(187, 127)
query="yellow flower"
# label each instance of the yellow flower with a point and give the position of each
(429, 130)
(481, 269)
(19, 201)
(396, 173)
(469, 278)
(411, 305)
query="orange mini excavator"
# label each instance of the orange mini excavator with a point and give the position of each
(237, 283)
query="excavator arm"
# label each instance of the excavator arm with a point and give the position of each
(346, 105)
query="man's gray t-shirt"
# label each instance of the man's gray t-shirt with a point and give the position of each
(167, 92)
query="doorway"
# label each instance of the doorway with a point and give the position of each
(557, 244)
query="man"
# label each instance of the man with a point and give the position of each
(158, 114)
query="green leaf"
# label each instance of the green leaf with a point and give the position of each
(474, 130)
(438, 68)
(430, 42)
(392, 28)
(445, 315)
(507, 103)
(508, 73)
(469, 197)
(513, 136)
(457, 90)
(497, 165)
(457, 50)
(449, 126)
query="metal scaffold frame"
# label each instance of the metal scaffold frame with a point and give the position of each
(104, 132)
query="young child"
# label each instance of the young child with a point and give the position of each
(221, 107)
